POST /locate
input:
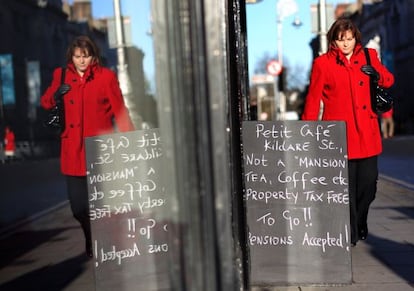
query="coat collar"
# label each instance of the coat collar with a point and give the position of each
(89, 73)
(335, 52)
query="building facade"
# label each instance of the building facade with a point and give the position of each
(35, 35)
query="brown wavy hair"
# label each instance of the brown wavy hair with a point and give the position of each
(339, 27)
(87, 46)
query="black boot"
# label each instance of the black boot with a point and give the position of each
(86, 227)
(363, 232)
(354, 238)
(88, 248)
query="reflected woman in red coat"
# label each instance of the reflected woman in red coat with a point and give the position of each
(340, 80)
(9, 143)
(93, 103)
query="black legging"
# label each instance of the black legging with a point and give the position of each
(363, 176)
(78, 198)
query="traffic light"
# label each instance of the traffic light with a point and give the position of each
(281, 80)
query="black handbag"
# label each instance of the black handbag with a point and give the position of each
(381, 101)
(55, 118)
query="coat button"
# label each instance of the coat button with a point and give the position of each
(71, 101)
(364, 107)
(71, 125)
(361, 83)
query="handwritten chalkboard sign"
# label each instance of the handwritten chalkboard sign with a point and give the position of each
(127, 207)
(296, 177)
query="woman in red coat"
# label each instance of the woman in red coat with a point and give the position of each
(9, 143)
(93, 102)
(340, 80)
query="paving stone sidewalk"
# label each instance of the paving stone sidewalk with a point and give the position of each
(47, 254)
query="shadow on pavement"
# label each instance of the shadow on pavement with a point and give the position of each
(49, 278)
(19, 243)
(407, 211)
(397, 256)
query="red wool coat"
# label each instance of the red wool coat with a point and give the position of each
(344, 90)
(9, 141)
(92, 104)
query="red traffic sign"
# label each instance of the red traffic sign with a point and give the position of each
(274, 68)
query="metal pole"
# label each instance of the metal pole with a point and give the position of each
(323, 44)
(323, 30)
(279, 42)
(284, 8)
(123, 76)
(120, 45)
(278, 102)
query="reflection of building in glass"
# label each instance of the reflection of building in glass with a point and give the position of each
(145, 103)
(7, 80)
(140, 100)
(35, 35)
(33, 85)
(34, 41)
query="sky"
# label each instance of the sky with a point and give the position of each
(262, 35)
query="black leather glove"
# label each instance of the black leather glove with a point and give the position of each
(62, 90)
(370, 71)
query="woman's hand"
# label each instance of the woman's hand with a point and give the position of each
(62, 90)
(370, 71)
